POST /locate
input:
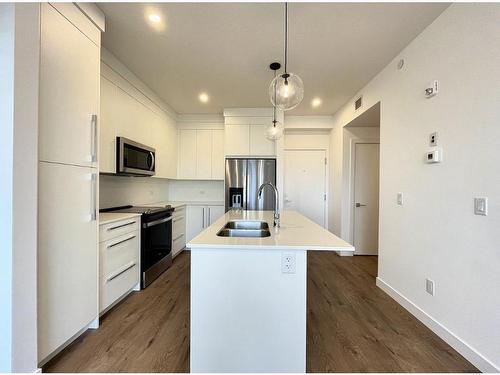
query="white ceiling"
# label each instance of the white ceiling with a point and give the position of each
(224, 49)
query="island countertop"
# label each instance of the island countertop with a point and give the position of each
(296, 233)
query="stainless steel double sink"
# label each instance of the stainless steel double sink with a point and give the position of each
(245, 228)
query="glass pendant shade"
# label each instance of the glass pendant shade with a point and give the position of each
(274, 131)
(286, 91)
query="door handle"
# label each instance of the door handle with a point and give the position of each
(93, 145)
(360, 205)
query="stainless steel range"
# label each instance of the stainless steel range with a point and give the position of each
(156, 239)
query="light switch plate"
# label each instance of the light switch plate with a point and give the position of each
(481, 206)
(429, 286)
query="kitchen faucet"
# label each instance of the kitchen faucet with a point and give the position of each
(276, 202)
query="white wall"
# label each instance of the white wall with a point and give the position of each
(123, 190)
(188, 190)
(435, 234)
(19, 57)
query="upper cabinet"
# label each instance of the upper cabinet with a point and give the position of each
(130, 112)
(201, 154)
(69, 92)
(245, 132)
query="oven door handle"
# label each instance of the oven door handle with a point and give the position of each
(156, 222)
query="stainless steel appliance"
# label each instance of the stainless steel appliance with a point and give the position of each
(243, 179)
(156, 239)
(133, 158)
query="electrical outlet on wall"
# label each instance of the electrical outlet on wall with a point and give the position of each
(429, 286)
(433, 139)
(287, 263)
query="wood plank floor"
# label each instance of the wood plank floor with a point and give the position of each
(352, 327)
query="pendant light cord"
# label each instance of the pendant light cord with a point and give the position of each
(274, 106)
(286, 35)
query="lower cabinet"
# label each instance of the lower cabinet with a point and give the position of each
(199, 217)
(178, 230)
(119, 260)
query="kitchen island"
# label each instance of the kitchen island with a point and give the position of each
(248, 294)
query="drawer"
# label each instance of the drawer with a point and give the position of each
(118, 228)
(115, 286)
(178, 226)
(117, 252)
(178, 244)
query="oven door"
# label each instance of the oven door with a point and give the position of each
(156, 247)
(134, 158)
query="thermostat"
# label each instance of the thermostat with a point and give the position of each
(435, 156)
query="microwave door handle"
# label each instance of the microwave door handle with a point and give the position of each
(152, 161)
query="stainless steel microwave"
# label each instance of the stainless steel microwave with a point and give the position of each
(133, 158)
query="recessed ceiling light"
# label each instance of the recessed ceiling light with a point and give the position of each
(154, 18)
(203, 97)
(316, 102)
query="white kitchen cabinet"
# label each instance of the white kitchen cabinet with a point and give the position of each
(200, 217)
(204, 154)
(259, 144)
(178, 230)
(201, 154)
(236, 140)
(69, 92)
(195, 221)
(119, 261)
(187, 154)
(218, 172)
(67, 254)
(107, 128)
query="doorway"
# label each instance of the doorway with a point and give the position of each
(366, 197)
(305, 183)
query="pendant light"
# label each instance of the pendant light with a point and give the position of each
(286, 90)
(275, 130)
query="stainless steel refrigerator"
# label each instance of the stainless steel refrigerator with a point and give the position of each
(243, 179)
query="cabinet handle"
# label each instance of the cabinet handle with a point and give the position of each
(93, 124)
(208, 216)
(179, 236)
(125, 269)
(178, 219)
(93, 197)
(203, 225)
(119, 242)
(121, 226)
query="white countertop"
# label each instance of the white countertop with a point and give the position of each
(110, 217)
(176, 204)
(296, 233)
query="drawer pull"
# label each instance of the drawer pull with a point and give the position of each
(127, 267)
(121, 226)
(178, 219)
(119, 242)
(179, 236)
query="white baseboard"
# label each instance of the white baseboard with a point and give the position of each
(345, 253)
(472, 355)
(37, 371)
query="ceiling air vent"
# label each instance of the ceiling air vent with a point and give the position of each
(358, 102)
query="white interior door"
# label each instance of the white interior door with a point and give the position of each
(305, 183)
(366, 198)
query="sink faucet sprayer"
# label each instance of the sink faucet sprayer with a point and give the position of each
(276, 202)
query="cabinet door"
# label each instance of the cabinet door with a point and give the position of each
(204, 154)
(236, 140)
(218, 154)
(195, 221)
(259, 144)
(214, 212)
(69, 92)
(67, 254)
(187, 153)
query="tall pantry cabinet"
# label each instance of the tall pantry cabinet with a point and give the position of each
(68, 176)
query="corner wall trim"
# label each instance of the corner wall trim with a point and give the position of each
(472, 355)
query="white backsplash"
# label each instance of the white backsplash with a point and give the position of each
(199, 190)
(121, 190)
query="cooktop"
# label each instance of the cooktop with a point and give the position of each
(138, 209)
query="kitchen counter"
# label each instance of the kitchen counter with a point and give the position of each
(296, 233)
(110, 217)
(249, 295)
(176, 204)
